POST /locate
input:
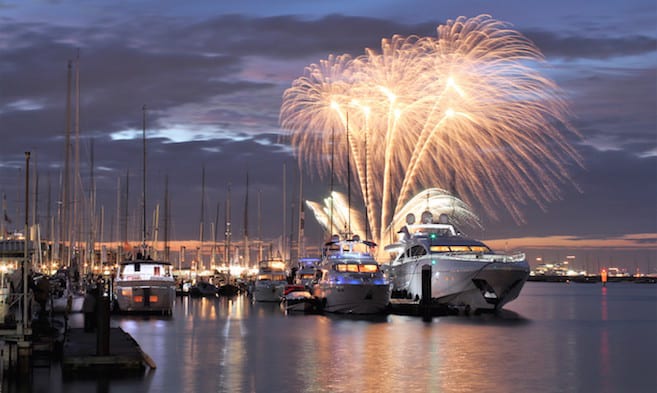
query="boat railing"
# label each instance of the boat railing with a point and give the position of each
(510, 258)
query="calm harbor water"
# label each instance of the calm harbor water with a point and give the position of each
(555, 337)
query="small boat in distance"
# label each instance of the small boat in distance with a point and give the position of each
(465, 272)
(271, 281)
(145, 285)
(351, 280)
(203, 289)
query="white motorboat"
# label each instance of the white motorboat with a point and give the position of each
(307, 273)
(270, 282)
(297, 297)
(464, 272)
(351, 279)
(145, 285)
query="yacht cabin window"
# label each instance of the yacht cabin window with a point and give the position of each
(417, 251)
(356, 267)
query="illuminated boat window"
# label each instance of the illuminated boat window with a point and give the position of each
(356, 267)
(440, 249)
(460, 249)
(480, 249)
(368, 268)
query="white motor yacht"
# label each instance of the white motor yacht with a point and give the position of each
(145, 285)
(270, 282)
(464, 272)
(351, 279)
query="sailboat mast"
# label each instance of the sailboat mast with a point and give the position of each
(348, 181)
(331, 195)
(227, 233)
(92, 209)
(117, 233)
(246, 223)
(166, 218)
(200, 231)
(143, 185)
(259, 224)
(76, 173)
(5, 218)
(64, 224)
(300, 241)
(283, 235)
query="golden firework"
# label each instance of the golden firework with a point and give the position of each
(466, 110)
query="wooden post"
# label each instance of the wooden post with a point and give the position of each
(425, 302)
(103, 323)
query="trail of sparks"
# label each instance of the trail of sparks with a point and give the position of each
(463, 111)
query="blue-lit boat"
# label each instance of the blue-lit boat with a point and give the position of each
(351, 280)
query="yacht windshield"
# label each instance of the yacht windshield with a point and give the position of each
(460, 248)
(271, 277)
(356, 267)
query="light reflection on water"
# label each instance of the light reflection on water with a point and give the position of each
(553, 338)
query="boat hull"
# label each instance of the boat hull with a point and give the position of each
(270, 291)
(145, 296)
(353, 298)
(299, 301)
(484, 284)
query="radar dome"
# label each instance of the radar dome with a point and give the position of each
(427, 217)
(410, 219)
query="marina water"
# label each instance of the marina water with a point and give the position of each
(556, 337)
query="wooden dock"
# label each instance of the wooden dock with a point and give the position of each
(416, 308)
(79, 354)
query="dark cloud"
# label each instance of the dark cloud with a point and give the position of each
(557, 45)
(285, 37)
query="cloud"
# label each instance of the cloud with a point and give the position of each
(558, 45)
(634, 241)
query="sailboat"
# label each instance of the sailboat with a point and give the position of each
(143, 284)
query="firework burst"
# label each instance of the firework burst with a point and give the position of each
(465, 110)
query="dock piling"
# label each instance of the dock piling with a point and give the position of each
(425, 302)
(102, 326)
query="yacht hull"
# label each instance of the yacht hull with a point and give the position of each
(145, 296)
(268, 291)
(478, 284)
(353, 298)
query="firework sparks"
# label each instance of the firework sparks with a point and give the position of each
(463, 110)
(335, 215)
